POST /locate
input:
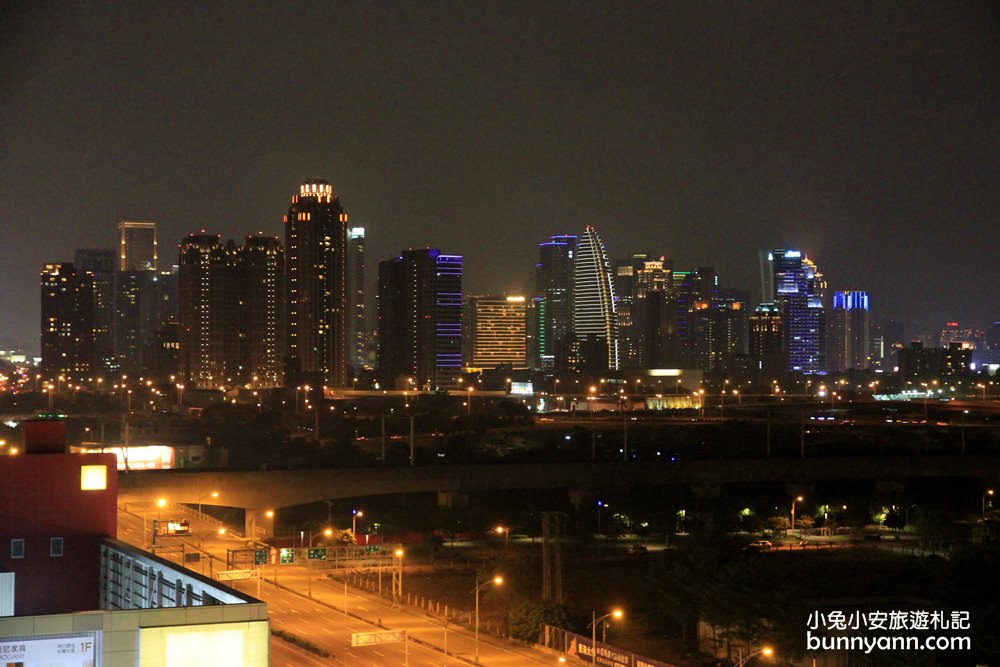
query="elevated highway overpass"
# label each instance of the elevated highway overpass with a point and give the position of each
(261, 491)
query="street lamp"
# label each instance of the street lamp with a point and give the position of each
(767, 652)
(213, 494)
(445, 622)
(354, 522)
(496, 581)
(595, 619)
(798, 499)
(989, 492)
(501, 530)
(470, 399)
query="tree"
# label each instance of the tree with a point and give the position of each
(525, 619)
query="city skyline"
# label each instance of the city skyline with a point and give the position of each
(855, 134)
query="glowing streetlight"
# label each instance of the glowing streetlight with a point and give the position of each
(595, 619)
(766, 651)
(496, 581)
(798, 499)
(989, 492)
(213, 494)
(354, 522)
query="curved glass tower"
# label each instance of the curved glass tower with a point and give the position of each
(594, 320)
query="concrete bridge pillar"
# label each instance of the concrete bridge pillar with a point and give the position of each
(250, 523)
(259, 522)
(452, 499)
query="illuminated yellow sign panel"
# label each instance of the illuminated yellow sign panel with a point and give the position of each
(93, 478)
(215, 644)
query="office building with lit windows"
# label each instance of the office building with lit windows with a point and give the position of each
(137, 249)
(850, 331)
(798, 292)
(357, 328)
(595, 323)
(67, 322)
(101, 262)
(420, 320)
(552, 324)
(496, 334)
(316, 287)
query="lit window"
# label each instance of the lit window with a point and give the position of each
(56, 547)
(93, 478)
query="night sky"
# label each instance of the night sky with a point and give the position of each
(866, 134)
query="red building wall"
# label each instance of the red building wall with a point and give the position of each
(41, 498)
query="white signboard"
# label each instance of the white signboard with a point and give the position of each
(65, 651)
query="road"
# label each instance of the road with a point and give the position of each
(321, 619)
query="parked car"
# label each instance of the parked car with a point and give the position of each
(759, 545)
(637, 549)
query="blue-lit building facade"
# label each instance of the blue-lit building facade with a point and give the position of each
(798, 292)
(849, 331)
(420, 320)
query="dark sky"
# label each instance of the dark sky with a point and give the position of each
(866, 134)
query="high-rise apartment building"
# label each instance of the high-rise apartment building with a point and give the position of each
(595, 323)
(316, 286)
(137, 246)
(230, 311)
(357, 328)
(420, 320)
(263, 262)
(209, 351)
(849, 331)
(101, 262)
(798, 291)
(136, 319)
(552, 326)
(495, 331)
(67, 322)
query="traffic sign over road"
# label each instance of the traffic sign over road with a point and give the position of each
(379, 637)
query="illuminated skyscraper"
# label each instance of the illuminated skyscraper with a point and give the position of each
(766, 338)
(420, 320)
(553, 303)
(101, 262)
(263, 263)
(357, 328)
(209, 344)
(230, 311)
(496, 328)
(316, 286)
(136, 246)
(798, 290)
(595, 324)
(67, 322)
(849, 331)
